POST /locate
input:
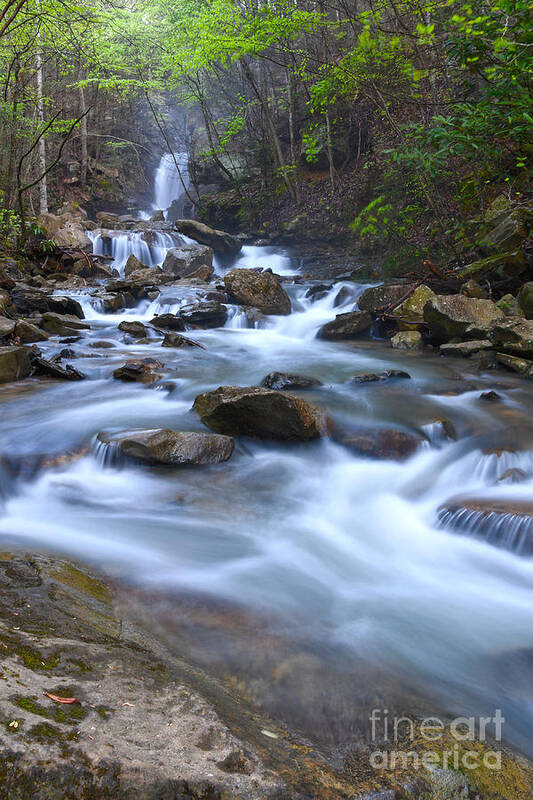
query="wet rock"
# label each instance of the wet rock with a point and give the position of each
(203, 273)
(449, 316)
(7, 327)
(173, 448)
(133, 264)
(186, 259)
(72, 236)
(465, 349)
(346, 326)
(205, 315)
(504, 522)
(407, 340)
(175, 340)
(522, 366)
(43, 366)
(377, 298)
(259, 289)
(381, 443)
(259, 412)
(502, 265)
(343, 295)
(62, 324)
(29, 300)
(5, 300)
(26, 332)
(15, 363)
(318, 291)
(513, 335)
(513, 475)
(372, 377)
(283, 380)
(171, 322)
(490, 396)
(145, 370)
(221, 242)
(472, 288)
(136, 329)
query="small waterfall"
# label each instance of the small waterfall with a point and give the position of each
(150, 247)
(168, 186)
(510, 530)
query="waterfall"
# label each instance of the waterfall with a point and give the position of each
(150, 247)
(168, 186)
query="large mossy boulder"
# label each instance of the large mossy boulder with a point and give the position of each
(26, 332)
(510, 232)
(377, 298)
(513, 335)
(63, 324)
(450, 316)
(502, 265)
(346, 326)
(133, 264)
(411, 311)
(27, 300)
(15, 363)
(221, 242)
(172, 448)
(259, 289)
(262, 413)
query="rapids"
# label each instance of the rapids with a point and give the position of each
(347, 551)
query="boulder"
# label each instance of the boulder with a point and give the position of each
(145, 370)
(388, 295)
(43, 366)
(7, 327)
(522, 366)
(205, 315)
(204, 273)
(381, 443)
(412, 309)
(136, 329)
(454, 315)
(72, 236)
(172, 448)
(221, 242)
(509, 305)
(502, 265)
(465, 349)
(133, 264)
(171, 322)
(176, 340)
(513, 335)
(472, 288)
(510, 232)
(407, 340)
(28, 300)
(283, 380)
(525, 300)
(259, 289)
(346, 326)
(373, 377)
(262, 413)
(186, 259)
(26, 332)
(15, 363)
(62, 324)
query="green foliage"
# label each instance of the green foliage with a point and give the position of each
(10, 228)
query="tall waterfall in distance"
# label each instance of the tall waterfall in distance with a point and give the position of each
(168, 186)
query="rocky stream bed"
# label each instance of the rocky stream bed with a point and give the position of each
(235, 520)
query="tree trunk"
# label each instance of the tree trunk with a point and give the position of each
(83, 138)
(43, 189)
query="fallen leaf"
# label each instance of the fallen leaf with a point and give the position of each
(128, 704)
(66, 700)
(14, 723)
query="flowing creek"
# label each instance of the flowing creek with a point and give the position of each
(342, 553)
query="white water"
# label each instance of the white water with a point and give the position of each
(349, 550)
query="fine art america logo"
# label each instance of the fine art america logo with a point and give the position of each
(453, 742)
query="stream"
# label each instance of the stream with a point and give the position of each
(343, 552)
